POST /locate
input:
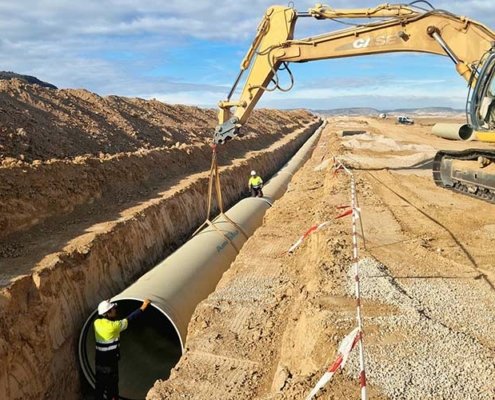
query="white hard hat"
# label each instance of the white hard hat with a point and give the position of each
(105, 306)
(253, 172)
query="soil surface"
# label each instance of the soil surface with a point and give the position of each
(71, 158)
(90, 185)
(276, 320)
(93, 192)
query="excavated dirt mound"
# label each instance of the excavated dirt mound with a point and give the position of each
(63, 148)
(44, 124)
(93, 192)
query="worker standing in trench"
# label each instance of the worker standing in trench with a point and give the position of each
(107, 334)
(255, 185)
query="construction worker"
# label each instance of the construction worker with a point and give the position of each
(255, 185)
(107, 334)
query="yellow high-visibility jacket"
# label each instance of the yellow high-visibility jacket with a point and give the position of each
(255, 181)
(107, 335)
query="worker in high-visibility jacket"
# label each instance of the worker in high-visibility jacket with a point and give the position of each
(255, 185)
(107, 335)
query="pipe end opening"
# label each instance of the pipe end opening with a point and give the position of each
(150, 348)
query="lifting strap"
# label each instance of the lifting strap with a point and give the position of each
(215, 179)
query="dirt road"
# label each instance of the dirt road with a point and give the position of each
(427, 279)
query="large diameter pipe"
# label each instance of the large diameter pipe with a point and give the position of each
(153, 344)
(454, 131)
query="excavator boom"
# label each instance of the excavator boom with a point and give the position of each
(387, 28)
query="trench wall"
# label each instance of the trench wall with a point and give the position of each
(31, 193)
(41, 314)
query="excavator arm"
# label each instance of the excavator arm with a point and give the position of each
(393, 28)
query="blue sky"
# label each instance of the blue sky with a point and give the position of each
(189, 53)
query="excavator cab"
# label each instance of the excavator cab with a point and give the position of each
(472, 171)
(481, 100)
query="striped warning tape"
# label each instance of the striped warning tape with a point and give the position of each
(342, 355)
(316, 228)
(356, 336)
(306, 234)
(355, 261)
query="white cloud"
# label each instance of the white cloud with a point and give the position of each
(398, 91)
(113, 46)
(204, 19)
(379, 102)
(200, 98)
(411, 93)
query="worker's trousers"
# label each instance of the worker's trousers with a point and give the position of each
(256, 192)
(107, 382)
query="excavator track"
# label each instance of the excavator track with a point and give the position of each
(470, 172)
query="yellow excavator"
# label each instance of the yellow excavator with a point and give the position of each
(387, 28)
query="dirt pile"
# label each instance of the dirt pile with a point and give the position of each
(63, 148)
(37, 123)
(93, 191)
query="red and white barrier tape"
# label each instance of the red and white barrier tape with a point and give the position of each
(342, 355)
(300, 240)
(355, 216)
(356, 336)
(316, 228)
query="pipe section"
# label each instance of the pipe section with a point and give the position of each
(454, 131)
(153, 344)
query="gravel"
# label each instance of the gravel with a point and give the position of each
(432, 347)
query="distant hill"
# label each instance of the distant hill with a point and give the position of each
(426, 110)
(351, 112)
(366, 111)
(8, 75)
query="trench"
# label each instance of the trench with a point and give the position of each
(42, 312)
(178, 284)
